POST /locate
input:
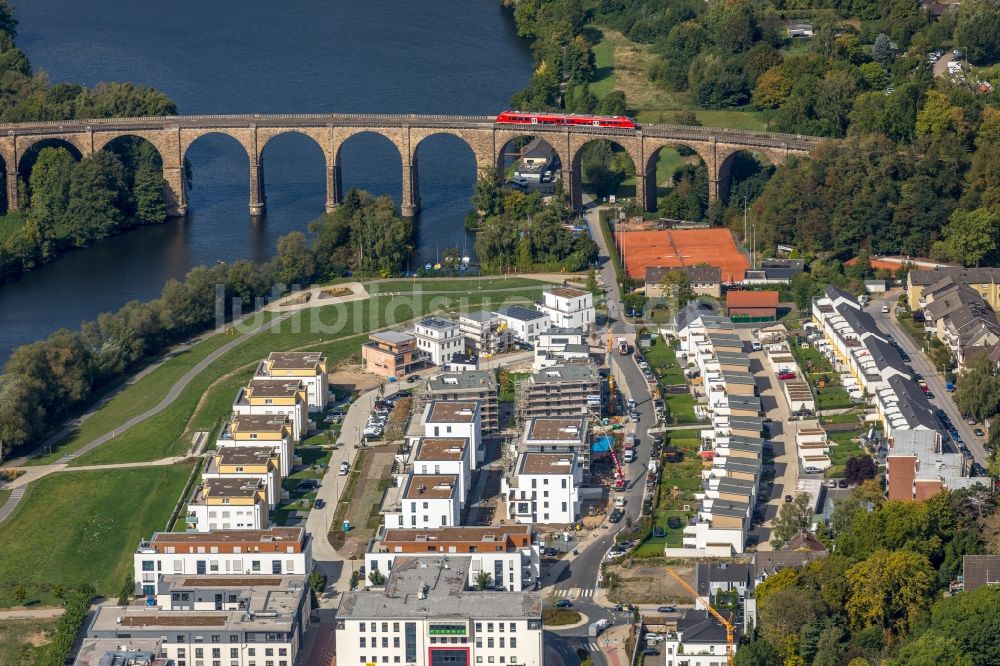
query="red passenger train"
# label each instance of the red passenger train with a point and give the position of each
(523, 118)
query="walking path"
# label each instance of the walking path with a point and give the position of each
(32, 613)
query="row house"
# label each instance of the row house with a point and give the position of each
(986, 281)
(228, 504)
(424, 501)
(247, 463)
(457, 418)
(444, 455)
(960, 317)
(525, 324)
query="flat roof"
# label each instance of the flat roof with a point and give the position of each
(230, 487)
(752, 299)
(567, 292)
(457, 381)
(272, 535)
(546, 463)
(441, 448)
(243, 455)
(291, 360)
(452, 411)
(569, 372)
(462, 534)
(478, 316)
(520, 313)
(392, 337)
(437, 322)
(435, 588)
(261, 422)
(274, 388)
(556, 429)
(431, 486)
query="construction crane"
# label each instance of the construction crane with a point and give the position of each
(730, 629)
(620, 475)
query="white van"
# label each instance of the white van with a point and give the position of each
(863, 300)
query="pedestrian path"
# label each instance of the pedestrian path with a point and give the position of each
(575, 593)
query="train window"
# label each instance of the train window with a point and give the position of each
(534, 121)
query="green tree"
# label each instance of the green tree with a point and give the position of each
(931, 650)
(483, 580)
(376, 578)
(758, 652)
(977, 391)
(772, 89)
(889, 590)
(127, 590)
(22, 416)
(972, 235)
(50, 182)
(147, 191)
(20, 594)
(294, 262)
(612, 104)
(978, 30)
(677, 288)
(792, 517)
(971, 621)
(96, 198)
(881, 52)
(783, 616)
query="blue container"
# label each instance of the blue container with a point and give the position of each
(347, 526)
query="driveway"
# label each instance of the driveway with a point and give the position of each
(920, 363)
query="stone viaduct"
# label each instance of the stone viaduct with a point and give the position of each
(173, 135)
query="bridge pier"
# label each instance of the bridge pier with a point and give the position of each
(175, 191)
(640, 190)
(409, 204)
(257, 196)
(13, 203)
(334, 189)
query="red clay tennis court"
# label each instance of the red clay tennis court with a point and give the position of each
(682, 247)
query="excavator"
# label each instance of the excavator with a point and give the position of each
(730, 629)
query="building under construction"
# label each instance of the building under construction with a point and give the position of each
(572, 389)
(478, 385)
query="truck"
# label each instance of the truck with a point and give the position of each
(596, 628)
(623, 346)
(629, 454)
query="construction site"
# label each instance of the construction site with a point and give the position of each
(641, 247)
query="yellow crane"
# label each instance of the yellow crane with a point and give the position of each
(730, 629)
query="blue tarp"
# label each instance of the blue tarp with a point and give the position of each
(601, 445)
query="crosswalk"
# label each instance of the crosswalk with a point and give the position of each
(593, 647)
(575, 593)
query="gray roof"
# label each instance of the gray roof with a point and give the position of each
(744, 402)
(478, 315)
(796, 265)
(747, 423)
(520, 313)
(699, 627)
(444, 582)
(733, 357)
(913, 404)
(392, 337)
(457, 381)
(731, 509)
(767, 563)
(979, 570)
(569, 372)
(728, 484)
(833, 293)
(737, 377)
(706, 573)
(885, 355)
(961, 275)
(654, 274)
(693, 311)
(861, 322)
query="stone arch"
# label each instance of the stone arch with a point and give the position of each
(480, 142)
(319, 135)
(187, 139)
(628, 147)
(102, 140)
(654, 153)
(464, 150)
(729, 166)
(408, 203)
(27, 157)
(292, 174)
(555, 140)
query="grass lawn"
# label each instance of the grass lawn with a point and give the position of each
(630, 64)
(663, 360)
(336, 330)
(463, 285)
(843, 445)
(556, 617)
(22, 642)
(4, 494)
(832, 397)
(680, 408)
(134, 399)
(678, 482)
(81, 527)
(507, 389)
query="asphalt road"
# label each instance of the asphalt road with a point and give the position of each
(920, 363)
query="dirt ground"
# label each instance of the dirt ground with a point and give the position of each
(641, 584)
(352, 378)
(378, 466)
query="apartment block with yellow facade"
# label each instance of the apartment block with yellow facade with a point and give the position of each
(249, 463)
(275, 397)
(308, 367)
(984, 280)
(228, 504)
(272, 432)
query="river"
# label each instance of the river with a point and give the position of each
(256, 56)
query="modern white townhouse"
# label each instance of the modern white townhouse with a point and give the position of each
(567, 307)
(444, 455)
(457, 418)
(424, 501)
(524, 323)
(276, 397)
(543, 488)
(558, 345)
(439, 339)
(308, 367)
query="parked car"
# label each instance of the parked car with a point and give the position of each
(650, 651)
(319, 504)
(842, 483)
(616, 516)
(788, 499)
(831, 483)
(674, 522)
(885, 309)
(666, 609)
(788, 374)
(344, 468)
(564, 603)
(979, 432)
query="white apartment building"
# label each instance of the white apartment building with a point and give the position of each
(247, 463)
(524, 323)
(278, 550)
(427, 615)
(439, 338)
(508, 553)
(308, 367)
(228, 504)
(700, 640)
(543, 488)
(558, 345)
(271, 397)
(457, 418)
(267, 431)
(209, 620)
(567, 307)
(558, 435)
(425, 501)
(444, 455)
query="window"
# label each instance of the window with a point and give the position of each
(255, 566)
(513, 642)
(147, 565)
(362, 643)
(513, 627)
(276, 567)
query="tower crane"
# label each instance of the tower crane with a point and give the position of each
(730, 629)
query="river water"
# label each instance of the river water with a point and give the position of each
(257, 56)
